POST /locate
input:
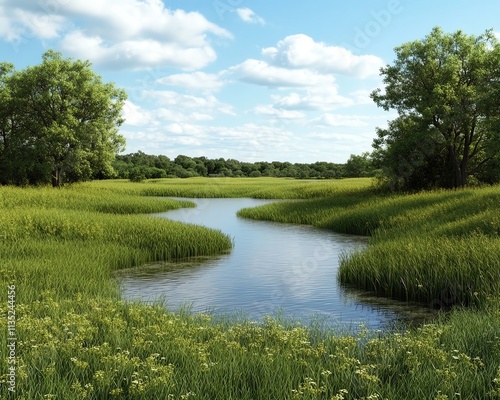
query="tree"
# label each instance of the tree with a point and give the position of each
(445, 89)
(359, 166)
(65, 122)
(7, 121)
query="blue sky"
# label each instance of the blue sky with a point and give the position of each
(251, 80)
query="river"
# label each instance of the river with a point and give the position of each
(274, 268)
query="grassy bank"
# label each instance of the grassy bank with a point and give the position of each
(76, 339)
(440, 248)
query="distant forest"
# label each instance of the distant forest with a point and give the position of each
(139, 166)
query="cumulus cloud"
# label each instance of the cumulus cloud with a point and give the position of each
(31, 24)
(7, 31)
(272, 111)
(249, 16)
(170, 109)
(250, 141)
(135, 115)
(317, 98)
(345, 139)
(181, 101)
(261, 73)
(118, 33)
(301, 51)
(197, 80)
(136, 54)
(338, 120)
(310, 68)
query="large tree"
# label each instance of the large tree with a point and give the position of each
(62, 122)
(446, 90)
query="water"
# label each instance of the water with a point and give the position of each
(291, 269)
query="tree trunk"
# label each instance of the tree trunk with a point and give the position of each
(463, 174)
(465, 163)
(457, 175)
(56, 177)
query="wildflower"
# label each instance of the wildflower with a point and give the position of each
(116, 392)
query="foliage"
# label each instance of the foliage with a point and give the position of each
(58, 123)
(182, 166)
(445, 90)
(359, 166)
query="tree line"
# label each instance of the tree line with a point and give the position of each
(139, 166)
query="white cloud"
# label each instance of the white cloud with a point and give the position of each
(44, 26)
(301, 51)
(261, 73)
(251, 142)
(184, 102)
(6, 30)
(136, 54)
(270, 110)
(249, 16)
(310, 67)
(170, 110)
(134, 115)
(340, 120)
(346, 139)
(362, 96)
(318, 98)
(196, 80)
(119, 33)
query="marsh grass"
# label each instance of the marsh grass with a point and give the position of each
(102, 348)
(259, 188)
(439, 248)
(76, 339)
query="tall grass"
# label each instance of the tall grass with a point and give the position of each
(66, 240)
(440, 272)
(76, 339)
(102, 348)
(259, 188)
(425, 247)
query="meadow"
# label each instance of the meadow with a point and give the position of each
(76, 338)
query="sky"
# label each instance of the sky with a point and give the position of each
(252, 80)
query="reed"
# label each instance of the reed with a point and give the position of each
(424, 246)
(77, 339)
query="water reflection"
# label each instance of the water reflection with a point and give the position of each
(292, 268)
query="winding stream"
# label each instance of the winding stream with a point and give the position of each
(272, 267)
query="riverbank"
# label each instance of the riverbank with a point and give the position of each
(75, 338)
(439, 248)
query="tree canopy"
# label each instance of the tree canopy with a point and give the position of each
(446, 90)
(138, 166)
(58, 122)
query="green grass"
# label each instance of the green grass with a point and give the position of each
(439, 247)
(259, 188)
(77, 339)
